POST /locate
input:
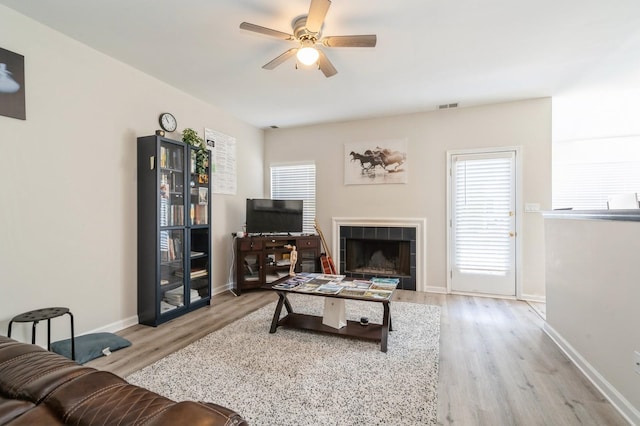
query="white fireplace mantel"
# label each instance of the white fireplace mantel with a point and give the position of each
(421, 239)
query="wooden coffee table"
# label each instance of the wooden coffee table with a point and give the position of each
(372, 331)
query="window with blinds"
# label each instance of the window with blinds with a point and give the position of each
(483, 193)
(296, 182)
(587, 172)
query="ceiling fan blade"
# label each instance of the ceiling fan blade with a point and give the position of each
(266, 31)
(350, 41)
(280, 59)
(317, 11)
(325, 65)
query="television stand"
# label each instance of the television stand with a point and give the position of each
(263, 259)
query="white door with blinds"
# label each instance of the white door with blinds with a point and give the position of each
(483, 223)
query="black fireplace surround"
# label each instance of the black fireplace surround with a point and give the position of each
(393, 249)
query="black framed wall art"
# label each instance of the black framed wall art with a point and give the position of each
(12, 91)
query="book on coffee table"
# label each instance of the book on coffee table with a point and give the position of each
(307, 287)
(329, 288)
(352, 292)
(378, 294)
(287, 285)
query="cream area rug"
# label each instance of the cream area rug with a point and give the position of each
(295, 377)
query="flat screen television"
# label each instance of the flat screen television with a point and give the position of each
(266, 216)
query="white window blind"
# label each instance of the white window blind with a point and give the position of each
(587, 172)
(296, 182)
(483, 199)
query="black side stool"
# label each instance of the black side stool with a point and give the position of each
(44, 314)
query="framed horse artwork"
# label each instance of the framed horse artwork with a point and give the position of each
(380, 162)
(12, 81)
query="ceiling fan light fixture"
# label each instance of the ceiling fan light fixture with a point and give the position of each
(308, 55)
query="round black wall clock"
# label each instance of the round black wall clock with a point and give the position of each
(168, 122)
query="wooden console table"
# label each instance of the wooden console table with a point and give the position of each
(375, 332)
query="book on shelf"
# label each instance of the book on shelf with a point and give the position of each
(163, 156)
(199, 273)
(176, 296)
(201, 215)
(172, 253)
(196, 273)
(165, 307)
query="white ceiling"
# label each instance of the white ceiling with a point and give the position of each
(429, 52)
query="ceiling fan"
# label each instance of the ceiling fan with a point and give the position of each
(307, 33)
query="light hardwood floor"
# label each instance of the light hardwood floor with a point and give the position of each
(497, 366)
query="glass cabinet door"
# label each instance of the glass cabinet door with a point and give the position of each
(198, 220)
(172, 221)
(199, 187)
(199, 264)
(172, 282)
(171, 185)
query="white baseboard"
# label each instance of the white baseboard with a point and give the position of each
(128, 322)
(226, 287)
(533, 298)
(440, 290)
(628, 411)
(114, 326)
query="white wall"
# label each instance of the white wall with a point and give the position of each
(592, 296)
(430, 135)
(68, 173)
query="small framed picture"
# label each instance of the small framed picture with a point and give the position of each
(203, 196)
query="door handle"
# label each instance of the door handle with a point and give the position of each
(513, 234)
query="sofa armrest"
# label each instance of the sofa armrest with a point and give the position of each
(197, 414)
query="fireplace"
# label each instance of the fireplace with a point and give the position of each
(378, 257)
(381, 248)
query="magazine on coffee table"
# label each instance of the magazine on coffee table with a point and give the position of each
(362, 284)
(330, 277)
(353, 292)
(292, 282)
(378, 294)
(307, 287)
(329, 288)
(379, 286)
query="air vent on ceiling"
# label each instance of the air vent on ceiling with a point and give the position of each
(445, 106)
(274, 127)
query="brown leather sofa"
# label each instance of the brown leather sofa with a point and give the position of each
(38, 387)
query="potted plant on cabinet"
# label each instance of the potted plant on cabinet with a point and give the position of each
(191, 137)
